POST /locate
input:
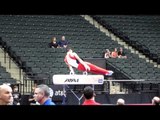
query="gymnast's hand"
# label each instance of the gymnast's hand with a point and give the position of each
(87, 67)
(71, 72)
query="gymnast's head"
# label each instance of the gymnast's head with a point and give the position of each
(69, 49)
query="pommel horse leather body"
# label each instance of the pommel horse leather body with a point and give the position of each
(75, 79)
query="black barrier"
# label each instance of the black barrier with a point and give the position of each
(24, 100)
(101, 62)
(110, 99)
(58, 93)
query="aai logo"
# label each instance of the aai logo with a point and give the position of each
(71, 80)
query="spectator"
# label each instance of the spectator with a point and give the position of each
(120, 101)
(16, 95)
(114, 54)
(63, 43)
(156, 100)
(89, 96)
(107, 54)
(53, 43)
(6, 97)
(121, 53)
(31, 99)
(42, 95)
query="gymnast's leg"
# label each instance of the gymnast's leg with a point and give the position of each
(95, 69)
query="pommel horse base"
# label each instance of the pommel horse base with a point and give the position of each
(75, 79)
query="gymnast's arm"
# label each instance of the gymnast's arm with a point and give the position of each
(70, 68)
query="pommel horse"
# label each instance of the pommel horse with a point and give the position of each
(75, 79)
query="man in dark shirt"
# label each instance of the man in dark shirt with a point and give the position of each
(16, 96)
(121, 53)
(63, 43)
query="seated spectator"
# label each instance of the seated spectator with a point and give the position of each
(121, 53)
(156, 100)
(53, 43)
(120, 101)
(16, 95)
(31, 98)
(107, 54)
(63, 43)
(89, 96)
(114, 54)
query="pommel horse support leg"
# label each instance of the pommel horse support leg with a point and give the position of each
(74, 79)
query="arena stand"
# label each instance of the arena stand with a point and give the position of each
(25, 38)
